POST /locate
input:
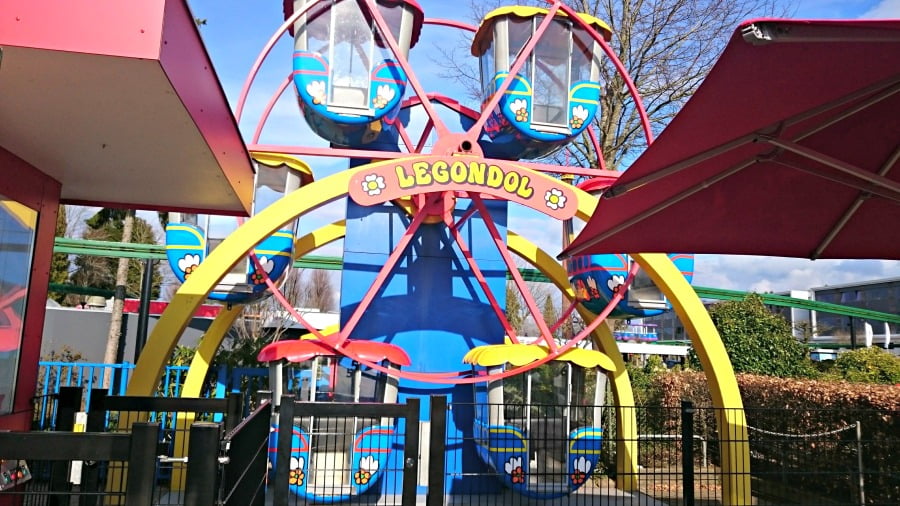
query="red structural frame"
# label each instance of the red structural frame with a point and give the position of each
(36, 190)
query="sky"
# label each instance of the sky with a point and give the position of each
(236, 31)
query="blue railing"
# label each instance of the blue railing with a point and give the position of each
(53, 375)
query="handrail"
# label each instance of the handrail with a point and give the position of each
(771, 299)
(157, 251)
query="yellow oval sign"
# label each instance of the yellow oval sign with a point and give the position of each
(391, 179)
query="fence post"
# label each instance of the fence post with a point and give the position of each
(234, 410)
(96, 422)
(437, 443)
(142, 464)
(202, 465)
(687, 451)
(411, 452)
(283, 453)
(96, 411)
(859, 459)
(68, 403)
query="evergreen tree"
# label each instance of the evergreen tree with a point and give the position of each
(100, 272)
(59, 266)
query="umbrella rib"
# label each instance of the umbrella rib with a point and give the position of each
(885, 90)
(878, 180)
(868, 189)
(734, 169)
(888, 87)
(842, 222)
(621, 189)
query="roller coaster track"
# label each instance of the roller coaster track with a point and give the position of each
(158, 252)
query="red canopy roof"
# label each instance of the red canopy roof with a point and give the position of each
(306, 349)
(789, 148)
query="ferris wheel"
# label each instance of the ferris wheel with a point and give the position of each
(429, 185)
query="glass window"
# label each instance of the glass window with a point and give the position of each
(487, 73)
(317, 28)
(551, 75)
(17, 224)
(217, 230)
(351, 56)
(582, 55)
(393, 16)
(519, 32)
(643, 293)
(190, 219)
(270, 185)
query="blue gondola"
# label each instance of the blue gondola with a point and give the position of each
(555, 95)
(596, 278)
(191, 237)
(348, 83)
(546, 442)
(334, 459)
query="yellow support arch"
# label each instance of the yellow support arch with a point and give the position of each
(195, 289)
(720, 375)
(626, 422)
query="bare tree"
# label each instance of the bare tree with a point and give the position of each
(115, 322)
(667, 47)
(317, 291)
(267, 320)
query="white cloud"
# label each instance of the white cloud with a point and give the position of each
(886, 9)
(777, 274)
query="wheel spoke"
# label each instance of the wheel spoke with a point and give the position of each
(546, 335)
(382, 276)
(479, 276)
(524, 54)
(388, 37)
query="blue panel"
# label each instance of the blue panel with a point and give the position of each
(431, 306)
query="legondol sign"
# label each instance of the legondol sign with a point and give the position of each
(383, 181)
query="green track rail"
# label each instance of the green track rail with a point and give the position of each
(158, 252)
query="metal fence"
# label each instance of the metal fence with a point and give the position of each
(795, 456)
(55, 375)
(356, 453)
(65, 468)
(244, 466)
(840, 462)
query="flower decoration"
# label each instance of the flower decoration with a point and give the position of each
(373, 184)
(296, 475)
(555, 199)
(579, 116)
(513, 468)
(519, 107)
(316, 90)
(592, 286)
(368, 466)
(383, 95)
(267, 265)
(189, 264)
(615, 282)
(580, 473)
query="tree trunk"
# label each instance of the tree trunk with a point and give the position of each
(115, 322)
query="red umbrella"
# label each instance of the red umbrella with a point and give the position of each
(790, 147)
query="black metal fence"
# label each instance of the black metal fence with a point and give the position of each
(363, 453)
(678, 457)
(65, 468)
(245, 464)
(354, 453)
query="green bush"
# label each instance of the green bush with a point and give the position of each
(758, 341)
(868, 365)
